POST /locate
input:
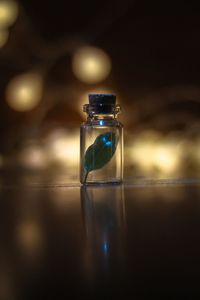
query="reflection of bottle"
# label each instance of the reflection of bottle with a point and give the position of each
(104, 218)
(101, 141)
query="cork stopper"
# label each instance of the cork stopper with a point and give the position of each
(102, 99)
(101, 104)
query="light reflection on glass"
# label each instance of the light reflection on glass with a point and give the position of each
(105, 247)
(105, 225)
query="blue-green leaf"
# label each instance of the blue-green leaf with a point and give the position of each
(100, 152)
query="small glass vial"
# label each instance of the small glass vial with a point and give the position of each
(101, 144)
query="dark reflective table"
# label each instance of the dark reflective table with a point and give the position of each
(140, 240)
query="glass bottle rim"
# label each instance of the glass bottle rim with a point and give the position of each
(101, 109)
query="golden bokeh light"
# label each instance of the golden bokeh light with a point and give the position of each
(141, 151)
(24, 92)
(166, 158)
(8, 13)
(195, 151)
(63, 147)
(33, 157)
(137, 153)
(4, 34)
(91, 65)
(153, 154)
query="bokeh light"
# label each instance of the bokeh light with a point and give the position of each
(195, 151)
(91, 65)
(166, 158)
(141, 150)
(33, 156)
(4, 34)
(29, 237)
(154, 154)
(63, 147)
(8, 13)
(24, 92)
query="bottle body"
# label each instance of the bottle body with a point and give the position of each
(101, 153)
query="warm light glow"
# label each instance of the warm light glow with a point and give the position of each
(29, 237)
(8, 13)
(166, 158)
(63, 199)
(152, 153)
(24, 92)
(64, 147)
(141, 151)
(91, 65)
(34, 157)
(142, 155)
(4, 34)
(194, 150)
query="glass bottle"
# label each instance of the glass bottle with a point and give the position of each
(101, 152)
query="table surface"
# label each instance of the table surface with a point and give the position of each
(133, 241)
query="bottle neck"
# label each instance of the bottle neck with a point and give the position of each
(101, 112)
(102, 117)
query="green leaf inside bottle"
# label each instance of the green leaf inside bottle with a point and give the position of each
(100, 152)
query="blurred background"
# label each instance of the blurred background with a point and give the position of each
(52, 55)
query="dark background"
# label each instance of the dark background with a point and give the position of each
(154, 50)
(140, 238)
